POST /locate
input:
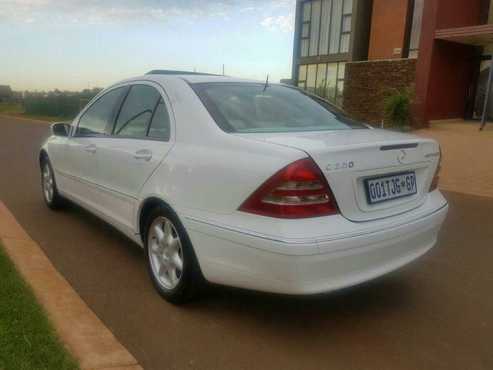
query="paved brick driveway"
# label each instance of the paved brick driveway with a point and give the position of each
(467, 164)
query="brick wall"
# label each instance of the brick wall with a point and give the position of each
(368, 83)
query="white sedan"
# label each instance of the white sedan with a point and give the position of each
(247, 184)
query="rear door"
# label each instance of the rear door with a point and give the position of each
(138, 141)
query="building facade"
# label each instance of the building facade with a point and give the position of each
(356, 52)
(328, 33)
(331, 33)
(454, 60)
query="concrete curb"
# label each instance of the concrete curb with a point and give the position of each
(81, 331)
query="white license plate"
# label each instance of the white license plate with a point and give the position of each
(381, 189)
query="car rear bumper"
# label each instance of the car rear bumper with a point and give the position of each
(239, 259)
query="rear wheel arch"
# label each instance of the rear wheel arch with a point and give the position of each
(145, 209)
(43, 156)
(156, 206)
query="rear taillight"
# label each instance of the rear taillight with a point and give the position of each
(299, 190)
(436, 176)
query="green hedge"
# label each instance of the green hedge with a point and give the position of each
(57, 103)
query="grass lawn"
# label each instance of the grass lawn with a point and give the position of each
(27, 339)
(16, 109)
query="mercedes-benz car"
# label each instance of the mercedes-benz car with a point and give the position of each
(248, 184)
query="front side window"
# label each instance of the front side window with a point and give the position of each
(255, 108)
(136, 112)
(96, 118)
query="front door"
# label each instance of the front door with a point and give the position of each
(80, 167)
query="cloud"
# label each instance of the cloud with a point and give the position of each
(283, 23)
(91, 11)
(113, 11)
(279, 16)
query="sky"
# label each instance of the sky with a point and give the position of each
(77, 44)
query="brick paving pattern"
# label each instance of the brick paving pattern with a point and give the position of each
(467, 162)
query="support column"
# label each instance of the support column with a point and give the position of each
(487, 97)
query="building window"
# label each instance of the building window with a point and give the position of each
(302, 76)
(305, 28)
(311, 77)
(315, 27)
(416, 28)
(326, 27)
(341, 70)
(323, 79)
(346, 26)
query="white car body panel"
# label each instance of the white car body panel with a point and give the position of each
(316, 265)
(205, 174)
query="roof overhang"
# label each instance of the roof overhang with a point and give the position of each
(473, 35)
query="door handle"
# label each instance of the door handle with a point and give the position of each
(143, 154)
(91, 148)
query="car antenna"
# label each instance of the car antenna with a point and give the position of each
(266, 83)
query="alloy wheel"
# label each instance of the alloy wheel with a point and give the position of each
(48, 183)
(165, 253)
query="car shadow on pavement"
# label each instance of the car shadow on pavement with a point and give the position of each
(106, 229)
(379, 297)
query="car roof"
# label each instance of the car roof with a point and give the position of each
(205, 78)
(189, 77)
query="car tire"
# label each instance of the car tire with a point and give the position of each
(171, 261)
(49, 188)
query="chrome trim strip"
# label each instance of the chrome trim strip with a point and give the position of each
(90, 183)
(399, 146)
(432, 155)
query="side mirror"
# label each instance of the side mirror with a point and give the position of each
(60, 129)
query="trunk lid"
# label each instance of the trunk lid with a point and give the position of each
(348, 157)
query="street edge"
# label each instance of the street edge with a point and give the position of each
(81, 331)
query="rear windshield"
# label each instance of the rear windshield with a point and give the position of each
(255, 108)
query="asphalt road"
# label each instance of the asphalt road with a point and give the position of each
(434, 314)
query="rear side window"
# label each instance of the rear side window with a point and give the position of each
(137, 112)
(100, 114)
(160, 127)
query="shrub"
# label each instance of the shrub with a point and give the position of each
(397, 108)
